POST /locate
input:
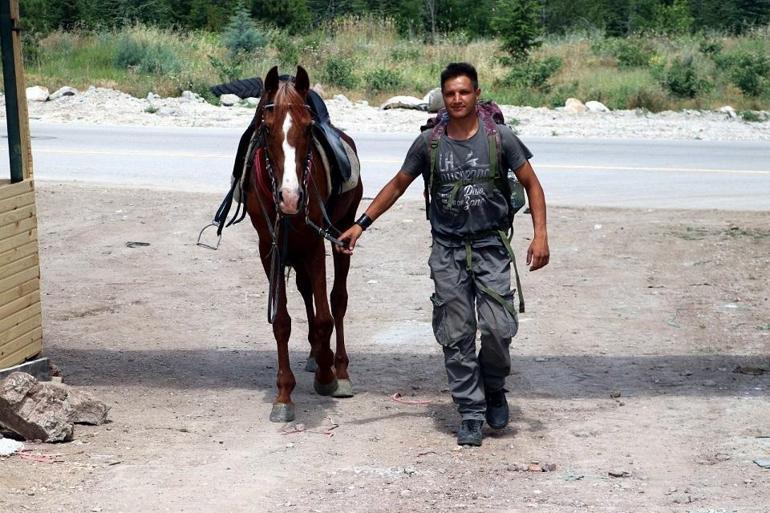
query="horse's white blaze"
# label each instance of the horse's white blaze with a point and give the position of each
(290, 181)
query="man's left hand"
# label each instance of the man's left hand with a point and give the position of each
(538, 254)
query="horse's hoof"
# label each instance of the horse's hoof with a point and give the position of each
(282, 412)
(327, 389)
(310, 365)
(344, 388)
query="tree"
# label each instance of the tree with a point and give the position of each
(518, 24)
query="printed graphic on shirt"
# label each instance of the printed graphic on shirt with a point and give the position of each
(461, 167)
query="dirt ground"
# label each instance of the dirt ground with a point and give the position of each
(640, 355)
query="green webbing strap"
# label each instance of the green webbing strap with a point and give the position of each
(486, 290)
(509, 249)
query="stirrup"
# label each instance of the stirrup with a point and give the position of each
(200, 235)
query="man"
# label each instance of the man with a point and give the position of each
(469, 262)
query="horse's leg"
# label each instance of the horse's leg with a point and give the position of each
(339, 300)
(306, 289)
(325, 382)
(283, 407)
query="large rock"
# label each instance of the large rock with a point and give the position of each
(63, 91)
(46, 411)
(727, 109)
(228, 100)
(594, 106)
(434, 99)
(404, 102)
(37, 94)
(574, 106)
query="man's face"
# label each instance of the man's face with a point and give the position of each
(460, 97)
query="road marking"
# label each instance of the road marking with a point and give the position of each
(182, 154)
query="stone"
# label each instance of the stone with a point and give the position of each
(9, 447)
(404, 102)
(37, 94)
(228, 100)
(594, 106)
(574, 106)
(63, 91)
(343, 100)
(434, 99)
(251, 101)
(727, 109)
(46, 411)
(189, 96)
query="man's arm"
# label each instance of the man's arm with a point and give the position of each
(381, 203)
(538, 253)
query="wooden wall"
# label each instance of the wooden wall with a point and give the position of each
(21, 335)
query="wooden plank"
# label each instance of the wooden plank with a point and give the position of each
(17, 240)
(18, 291)
(20, 329)
(21, 93)
(18, 227)
(12, 320)
(19, 278)
(17, 214)
(10, 190)
(23, 348)
(19, 304)
(18, 201)
(14, 254)
(8, 273)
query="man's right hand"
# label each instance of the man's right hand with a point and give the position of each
(350, 237)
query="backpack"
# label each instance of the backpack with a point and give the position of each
(490, 116)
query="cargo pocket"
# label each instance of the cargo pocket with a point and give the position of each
(440, 329)
(511, 319)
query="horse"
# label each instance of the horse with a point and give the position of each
(288, 199)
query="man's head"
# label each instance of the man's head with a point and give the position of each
(458, 69)
(460, 89)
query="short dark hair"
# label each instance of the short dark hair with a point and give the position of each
(459, 69)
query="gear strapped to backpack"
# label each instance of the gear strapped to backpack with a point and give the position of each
(490, 116)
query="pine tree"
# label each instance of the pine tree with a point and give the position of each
(518, 25)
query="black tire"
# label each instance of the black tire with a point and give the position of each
(245, 88)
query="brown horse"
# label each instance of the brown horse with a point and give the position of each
(287, 195)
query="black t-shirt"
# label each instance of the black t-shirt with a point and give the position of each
(458, 211)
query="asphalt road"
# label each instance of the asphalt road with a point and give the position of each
(615, 173)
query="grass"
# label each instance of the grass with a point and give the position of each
(383, 64)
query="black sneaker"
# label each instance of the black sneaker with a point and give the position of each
(470, 432)
(497, 409)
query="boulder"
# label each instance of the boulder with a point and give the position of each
(574, 106)
(727, 109)
(594, 106)
(228, 100)
(404, 102)
(46, 411)
(251, 101)
(37, 94)
(63, 91)
(343, 100)
(434, 99)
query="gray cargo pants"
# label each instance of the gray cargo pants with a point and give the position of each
(457, 299)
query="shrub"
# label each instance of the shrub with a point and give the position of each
(751, 117)
(146, 57)
(747, 70)
(517, 24)
(534, 73)
(227, 69)
(241, 34)
(710, 46)
(681, 78)
(288, 51)
(629, 52)
(338, 71)
(383, 79)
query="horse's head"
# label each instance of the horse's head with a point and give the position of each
(287, 120)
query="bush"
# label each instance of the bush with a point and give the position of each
(383, 79)
(517, 24)
(751, 117)
(710, 46)
(338, 72)
(747, 70)
(288, 51)
(147, 57)
(681, 78)
(241, 34)
(630, 53)
(534, 73)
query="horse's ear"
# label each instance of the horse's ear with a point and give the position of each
(271, 80)
(302, 81)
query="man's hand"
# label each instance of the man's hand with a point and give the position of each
(538, 254)
(350, 237)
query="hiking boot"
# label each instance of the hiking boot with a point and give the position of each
(497, 409)
(470, 432)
